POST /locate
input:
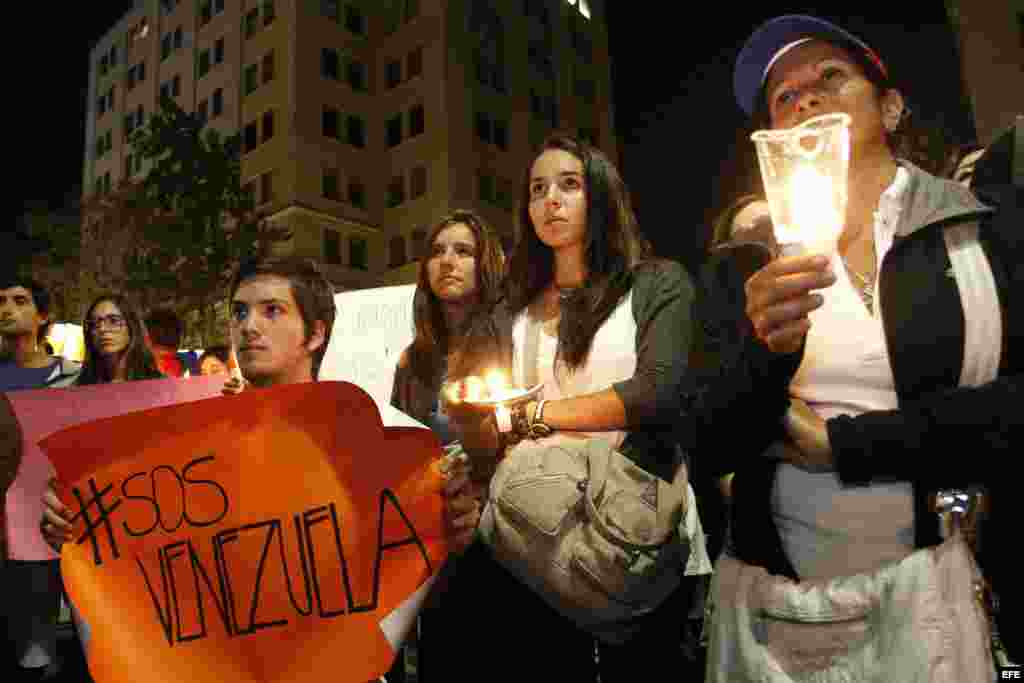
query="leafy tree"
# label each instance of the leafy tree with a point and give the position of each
(174, 237)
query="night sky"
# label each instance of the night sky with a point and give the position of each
(684, 142)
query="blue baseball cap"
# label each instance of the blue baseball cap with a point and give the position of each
(762, 49)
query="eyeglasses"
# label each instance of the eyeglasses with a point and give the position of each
(113, 321)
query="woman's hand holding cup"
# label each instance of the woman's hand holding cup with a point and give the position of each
(781, 295)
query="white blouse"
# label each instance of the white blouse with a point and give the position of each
(828, 530)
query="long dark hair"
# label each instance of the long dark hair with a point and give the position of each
(432, 342)
(140, 363)
(614, 247)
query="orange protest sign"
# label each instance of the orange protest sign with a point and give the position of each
(277, 535)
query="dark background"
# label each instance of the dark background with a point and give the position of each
(683, 141)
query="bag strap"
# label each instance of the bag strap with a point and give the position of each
(598, 454)
(983, 320)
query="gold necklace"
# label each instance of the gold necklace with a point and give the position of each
(866, 288)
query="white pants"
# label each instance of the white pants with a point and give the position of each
(914, 621)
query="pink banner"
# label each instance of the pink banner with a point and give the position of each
(42, 412)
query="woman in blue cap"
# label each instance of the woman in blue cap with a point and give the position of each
(892, 369)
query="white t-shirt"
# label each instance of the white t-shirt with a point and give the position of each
(829, 530)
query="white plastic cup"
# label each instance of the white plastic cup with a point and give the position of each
(805, 170)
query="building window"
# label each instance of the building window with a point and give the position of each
(218, 102)
(356, 72)
(167, 6)
(412, 9)
(267, 187)
(397, 249)
(499, 132)
(486, 187)
(268, 12)
(250, 138)
(329, 63)
(396, 191)
(331, 9)
(356, 131)
(586, 90)
(418, 182)
(536, 9)
(356, 193)
(589, 135)
(332, 247)
(218, 51)
(179, 38)
(250, 79)
(419, 243)
(171, 88)
(394, 131)
(203, 63)
(268, 67)
(203, 112)
(330, 123)
(251, 23)
(483, 126)
(538, 54)
(504, 194)
(205, 12)
(268, 125)
(165, 51)
(416, 121)
(136, 74)
(414, 63)
(329, 186)
(393, 74)
(357, 253)
(354, 20)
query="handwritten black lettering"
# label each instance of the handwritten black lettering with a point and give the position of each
(219, 601)
(204, 482)
(311, 518)
(388, 496)
(183, 619)
(273, 526)
(163, 612)
(219, 541)
(180, 499)
(152, 501)
(103, 519)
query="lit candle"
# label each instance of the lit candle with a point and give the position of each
(815, 218)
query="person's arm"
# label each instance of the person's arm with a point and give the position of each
(966, 428)
(734, 410)
(663, 297)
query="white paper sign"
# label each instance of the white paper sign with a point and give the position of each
(371, 329)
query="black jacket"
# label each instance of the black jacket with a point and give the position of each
(940, 436)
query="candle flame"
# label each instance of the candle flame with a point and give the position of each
(815, 216)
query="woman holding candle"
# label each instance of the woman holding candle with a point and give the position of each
(610, 351)
(459, 279)
(458, 283)
(872, 360)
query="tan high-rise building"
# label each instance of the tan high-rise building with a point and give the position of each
(362, 122)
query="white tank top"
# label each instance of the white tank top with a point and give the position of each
(829, 530)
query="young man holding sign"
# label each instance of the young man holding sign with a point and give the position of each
(282, 313)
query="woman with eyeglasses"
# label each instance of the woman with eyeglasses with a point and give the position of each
(115, 343)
